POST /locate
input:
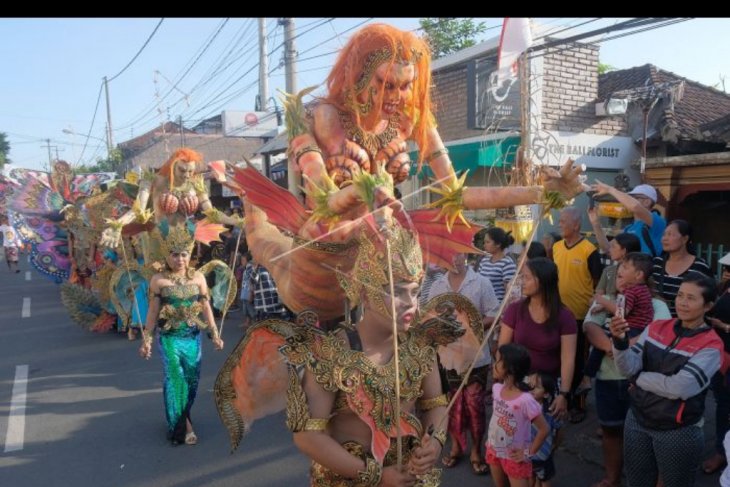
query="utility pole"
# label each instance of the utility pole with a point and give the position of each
(290, 54)
(109, 143)
(290, 67)
(263, 68)
(182, 132)
(48, 145)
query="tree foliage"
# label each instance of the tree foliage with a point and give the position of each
(447, 35)
(604, 68)
(108, 164)
(4, 149)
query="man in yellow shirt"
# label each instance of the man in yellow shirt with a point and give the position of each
(579, 269)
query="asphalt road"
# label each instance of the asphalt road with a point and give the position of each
(94, 413)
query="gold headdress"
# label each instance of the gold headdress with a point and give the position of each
(175, 238)
(370, 271)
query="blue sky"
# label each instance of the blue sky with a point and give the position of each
(52, 70)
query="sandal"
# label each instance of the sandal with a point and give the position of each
(190, 438)
(605, 483)
(576, 416)
(479, 467)
(450, 460)
(714, 463)
(583, 389)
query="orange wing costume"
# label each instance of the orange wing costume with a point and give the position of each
(306, 270)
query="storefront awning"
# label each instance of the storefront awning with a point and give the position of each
(472, 154)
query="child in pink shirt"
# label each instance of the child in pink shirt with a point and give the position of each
(509, 446)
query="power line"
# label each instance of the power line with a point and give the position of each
(335, 37)
(647, 24)
(629, 24)
(179, 77)
(138, 52)
(93, 119)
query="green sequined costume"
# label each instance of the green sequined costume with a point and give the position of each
(179, 346)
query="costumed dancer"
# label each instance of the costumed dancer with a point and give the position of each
(178, 296)
(46, 207)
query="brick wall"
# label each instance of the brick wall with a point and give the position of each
(571, 90)
(449, 96)
(569, 96)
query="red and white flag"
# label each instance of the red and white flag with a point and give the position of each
(515, 39)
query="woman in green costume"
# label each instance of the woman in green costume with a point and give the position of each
(178, 297)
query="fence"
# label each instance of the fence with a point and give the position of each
(711, 253)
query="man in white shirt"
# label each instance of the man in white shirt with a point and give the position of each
(10, 244)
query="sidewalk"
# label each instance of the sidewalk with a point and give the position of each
(579, 459)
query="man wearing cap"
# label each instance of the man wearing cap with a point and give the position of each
(648, 224)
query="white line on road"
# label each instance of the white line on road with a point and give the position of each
(16, 421)
(27, 275)
(26, 308)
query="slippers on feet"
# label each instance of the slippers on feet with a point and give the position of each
(190, 438)
(605, 483)
(576, 416)
(479, 467)
(713, 464)
(450, 460)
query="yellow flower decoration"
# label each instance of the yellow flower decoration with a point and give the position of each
(143, 216)
(321, 195)
(114, 224)
(552, 200)
(451, 201)
(367, 183)
(213, 215)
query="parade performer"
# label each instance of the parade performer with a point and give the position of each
(178, 296)
(342, 396)
(45, 209)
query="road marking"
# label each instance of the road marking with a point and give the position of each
(26, 308)
(16, 421)
(27, 275)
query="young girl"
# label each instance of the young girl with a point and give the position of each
(543, 466)
(515, 411)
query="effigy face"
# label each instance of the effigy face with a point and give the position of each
(184, 172)
(395, 82)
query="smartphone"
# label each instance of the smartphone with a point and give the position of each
(591, 200)
(620, 308)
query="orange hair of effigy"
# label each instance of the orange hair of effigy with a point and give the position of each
(183, 154)
(365, 51)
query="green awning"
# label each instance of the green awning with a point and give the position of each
(472, 155)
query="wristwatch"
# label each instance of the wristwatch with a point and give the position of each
(565, 394)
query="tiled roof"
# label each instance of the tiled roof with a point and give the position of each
(213, 147)
(149, 138)
(698, 106)
(717, 130)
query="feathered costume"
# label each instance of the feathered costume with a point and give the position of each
(39, 201)
(322, 277)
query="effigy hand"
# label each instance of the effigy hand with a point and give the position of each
(112, 235)
(568, 181)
